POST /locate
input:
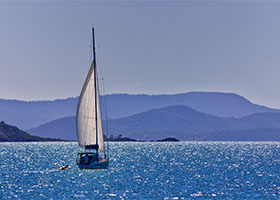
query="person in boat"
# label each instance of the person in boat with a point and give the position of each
(64, 167)
(86, 159)
(96, 157)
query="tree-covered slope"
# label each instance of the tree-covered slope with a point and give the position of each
(10, 133)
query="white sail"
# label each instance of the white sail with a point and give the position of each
(85, 119)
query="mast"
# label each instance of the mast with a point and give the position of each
(95, 88)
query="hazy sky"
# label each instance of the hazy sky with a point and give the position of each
(143, 47)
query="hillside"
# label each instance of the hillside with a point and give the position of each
(177, 121)
(34, 113)
(213, 103)
(27, 114)
(10, 133)
(63, 128)
(181, 122)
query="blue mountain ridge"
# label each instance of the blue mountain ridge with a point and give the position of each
(28, 114)
(179, 121)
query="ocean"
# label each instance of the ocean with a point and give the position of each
(143, 170)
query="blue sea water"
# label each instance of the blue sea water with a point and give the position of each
(184, 170)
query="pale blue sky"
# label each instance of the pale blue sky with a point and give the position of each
(144, 47)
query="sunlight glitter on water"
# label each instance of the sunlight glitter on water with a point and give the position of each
(183, 170)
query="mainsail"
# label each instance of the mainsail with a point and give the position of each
(88, 128)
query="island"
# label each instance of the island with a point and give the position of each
(169, 139)
(9, 133)
(119, 138)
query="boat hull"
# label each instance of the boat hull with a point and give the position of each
(103, 164)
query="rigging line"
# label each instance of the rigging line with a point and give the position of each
(104, 96)
(103, 82)
(104, 103)
(101, 79)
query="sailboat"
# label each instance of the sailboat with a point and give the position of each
(89, 122)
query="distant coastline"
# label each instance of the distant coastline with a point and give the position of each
(121, 138)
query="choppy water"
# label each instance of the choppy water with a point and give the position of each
(184, 170)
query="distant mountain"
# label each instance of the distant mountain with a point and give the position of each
(177, 121)
(181, 122)
(34, 113)
(27, 114)
(10, 133)
(262, 120)
(213, 103)
(63, 128)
